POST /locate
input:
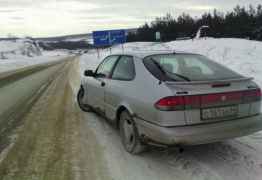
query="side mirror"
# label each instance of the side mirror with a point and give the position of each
(89, 73)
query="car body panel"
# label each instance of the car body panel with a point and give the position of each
(140, 94)
(193, 116)
(198, 134)
(97, 100)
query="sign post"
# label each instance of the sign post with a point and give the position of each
(98, 55)
(109, 38)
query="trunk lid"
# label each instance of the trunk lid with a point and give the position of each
(217, 101)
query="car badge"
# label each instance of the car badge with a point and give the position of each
(223, 98)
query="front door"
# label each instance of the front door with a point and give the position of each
(97, 84)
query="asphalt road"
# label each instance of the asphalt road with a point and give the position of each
(42, 138)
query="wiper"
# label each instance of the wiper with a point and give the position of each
(159, 66)
(165, 72)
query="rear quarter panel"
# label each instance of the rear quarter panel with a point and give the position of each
(142, 93)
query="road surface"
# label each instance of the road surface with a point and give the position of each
(52, 139)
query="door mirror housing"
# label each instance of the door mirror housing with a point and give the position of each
(89, 73)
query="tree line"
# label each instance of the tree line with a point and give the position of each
(241, 22)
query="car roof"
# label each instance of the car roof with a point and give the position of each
(143, 54)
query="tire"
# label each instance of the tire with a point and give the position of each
(129, 134)
(80, 96)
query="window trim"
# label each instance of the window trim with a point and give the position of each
(119, 79)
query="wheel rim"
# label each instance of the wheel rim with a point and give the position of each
(129, 135)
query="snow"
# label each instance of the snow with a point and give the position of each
(20, 53)
(21, 61)
(243, 56)
(25, 52)
(238, 159)
(19, 47)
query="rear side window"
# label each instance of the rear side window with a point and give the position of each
(124, 69)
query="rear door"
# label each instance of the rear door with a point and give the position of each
(96, 85)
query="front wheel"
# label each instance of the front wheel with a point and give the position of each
(80, 97)
(129, 134)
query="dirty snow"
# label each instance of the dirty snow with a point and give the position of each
(238, 159)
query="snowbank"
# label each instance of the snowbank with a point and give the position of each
(12, 64)
(243, 56)
(19, 48)
(25, 52)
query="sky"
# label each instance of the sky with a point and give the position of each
(46, 18)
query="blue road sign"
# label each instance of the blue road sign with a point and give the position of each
(107, 38)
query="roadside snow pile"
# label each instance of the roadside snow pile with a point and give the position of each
(19, 48)
(12, 64)
(243, 56)
(25, 52)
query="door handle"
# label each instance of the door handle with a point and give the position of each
(103, 84)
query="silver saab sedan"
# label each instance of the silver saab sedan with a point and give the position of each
(169, 99)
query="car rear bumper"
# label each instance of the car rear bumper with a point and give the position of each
(198, 134)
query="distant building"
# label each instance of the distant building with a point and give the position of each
(203, 31)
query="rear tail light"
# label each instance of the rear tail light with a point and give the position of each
(171, 103)
(222, 97)
(252, 95)
(177, 103)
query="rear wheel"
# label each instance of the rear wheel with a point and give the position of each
(80, 97)
(129, 134)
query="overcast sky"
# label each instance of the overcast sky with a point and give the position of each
(60, 17)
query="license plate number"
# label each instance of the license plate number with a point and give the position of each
(217, 113)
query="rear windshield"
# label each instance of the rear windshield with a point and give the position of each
(187, 67)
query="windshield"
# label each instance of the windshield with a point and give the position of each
(187, 67)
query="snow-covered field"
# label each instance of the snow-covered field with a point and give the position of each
(20, 61)
(19, 48)
(25, 52)
(15, 63)
(239, 159)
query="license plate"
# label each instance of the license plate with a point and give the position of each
(218, 113)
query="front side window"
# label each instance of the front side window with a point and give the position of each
(106, 67)
(187, 67)
(124, 69)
